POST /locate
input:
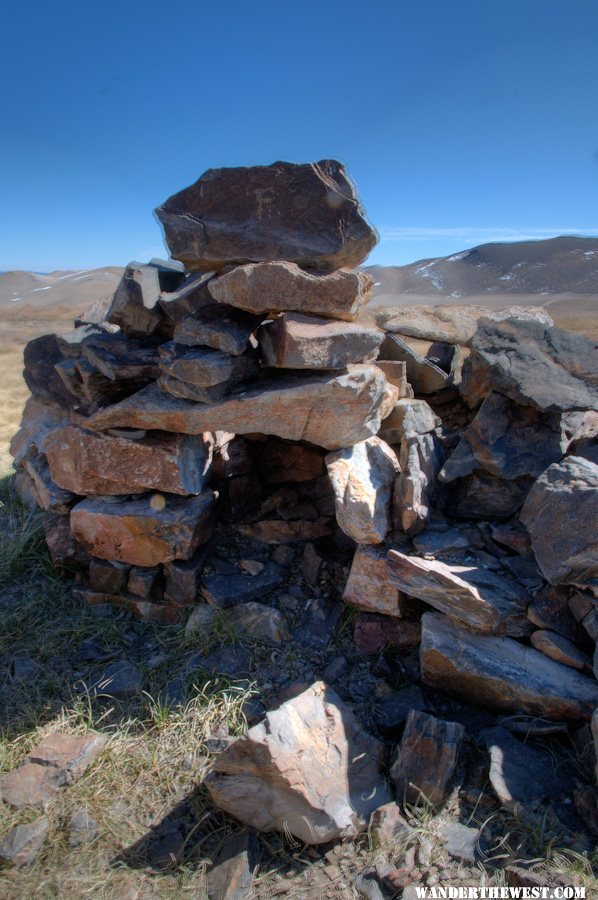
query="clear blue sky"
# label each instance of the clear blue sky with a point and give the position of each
(461, 121)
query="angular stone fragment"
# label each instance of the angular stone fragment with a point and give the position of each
(135, 307)
(39, 420)
(144, 532)
(184, 391)
(71, 753)
(50, 495)
(260, 622)
(558, 647)
(476, 597)
(183, 578)
(330, 411)
(40, 357)
(560, 514)
(512, 535)
(308, 770)
(121, 358)
(362, 477)
(533, 364)
(501, 674)
(159, 613)
(32, 784)
(428, 755)
(415, 488)
(272, 287)
(396, 373)
(509, 440)
(368, 586)
(408, 419)
(317, 622)
(550, 610)
(86, 462)
(232, 874)
(143, 581)
(295, 341)
(306, 213)
(226, 590)
(191, 296)
(60, 542)
(20, 845)
(205, 367)
(220, 327)
(424, 376)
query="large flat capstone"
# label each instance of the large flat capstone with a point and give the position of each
(332, 411)
(304, 213)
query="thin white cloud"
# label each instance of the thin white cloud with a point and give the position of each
(480, 235)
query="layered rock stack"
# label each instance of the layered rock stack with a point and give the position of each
(450, 452)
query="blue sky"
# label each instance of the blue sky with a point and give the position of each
(462, 121)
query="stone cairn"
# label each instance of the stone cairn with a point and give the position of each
(453, 451)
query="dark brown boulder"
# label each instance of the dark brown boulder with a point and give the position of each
(304, 213)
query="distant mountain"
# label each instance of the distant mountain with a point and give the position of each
(70, 290)
(556, 266)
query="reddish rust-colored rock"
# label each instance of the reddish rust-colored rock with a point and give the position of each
(144, 532)
(273, 287)
(146, 610)
(329, 410)
(369, 587)
(295, 341)
(86, 462)
(427, 760)
(309, 769)
(501, 674)
(306, 213)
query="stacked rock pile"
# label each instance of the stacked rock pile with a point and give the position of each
(453, 451)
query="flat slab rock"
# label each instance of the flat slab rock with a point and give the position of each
(362, 477)
(533, 364)
(305, 213)
(452, 324)
(560, 513)
(509, 440)
(58, 760)
(420, 459)
(295, 341)
(501, 674)
(331, 411)
(427, 760)
(223, 591)
(144, 532)
(86, 462)
(217, 326)
(308, 769)
(272, 287)
(475, 596)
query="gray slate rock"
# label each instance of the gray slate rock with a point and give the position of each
(232, 873)
(311, 217)
(83, 829)
(533, 364)
(20, 845)
(519, 773)
(120, 680)
(561, 513)
(223, 591)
